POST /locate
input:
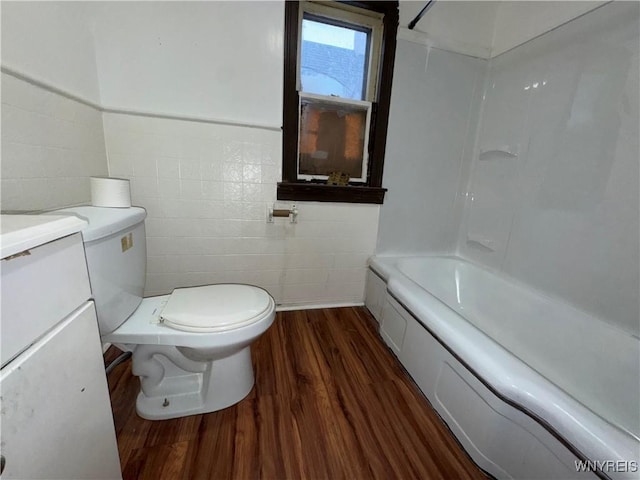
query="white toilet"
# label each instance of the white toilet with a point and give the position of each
(191, 349)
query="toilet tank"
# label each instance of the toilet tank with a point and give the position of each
(116, 250)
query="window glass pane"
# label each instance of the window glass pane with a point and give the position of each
(333, 60)
(332, 138)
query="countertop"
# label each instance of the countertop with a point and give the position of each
(22, 232)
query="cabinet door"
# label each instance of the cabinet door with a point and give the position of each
(55, 408)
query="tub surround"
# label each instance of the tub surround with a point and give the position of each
(548, 198)
(435, 105)
(546, 171)
(562, 214)
(528, 375)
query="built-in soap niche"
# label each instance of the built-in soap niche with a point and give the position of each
(480, 243)
(492, 202)
(498, 152)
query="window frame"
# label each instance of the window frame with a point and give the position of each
(294, 188)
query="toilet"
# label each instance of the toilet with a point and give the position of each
(191, 349)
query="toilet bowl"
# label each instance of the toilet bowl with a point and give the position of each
(186, 372)
(191, 349)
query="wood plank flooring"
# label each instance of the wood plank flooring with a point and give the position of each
(330, 401)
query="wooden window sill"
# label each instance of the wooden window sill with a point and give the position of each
(318, 192)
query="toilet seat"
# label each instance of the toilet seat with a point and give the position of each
(215, 308)
(145, 327)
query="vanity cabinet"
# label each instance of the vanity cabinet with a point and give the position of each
(55, 412)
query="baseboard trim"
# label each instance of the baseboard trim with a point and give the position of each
(316, 306)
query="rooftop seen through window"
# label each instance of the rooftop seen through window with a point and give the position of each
(334, 59)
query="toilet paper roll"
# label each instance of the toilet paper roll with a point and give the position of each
(110, 192)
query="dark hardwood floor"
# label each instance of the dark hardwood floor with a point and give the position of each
(330, 401)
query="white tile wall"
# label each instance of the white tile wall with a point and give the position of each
(51, 145)
(206, 188)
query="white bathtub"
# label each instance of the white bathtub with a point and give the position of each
(528, 384)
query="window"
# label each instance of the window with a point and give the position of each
(332, 137)
(334, 59)
(337, 87)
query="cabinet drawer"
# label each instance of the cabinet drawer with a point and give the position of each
(40, 288)
(56, 415)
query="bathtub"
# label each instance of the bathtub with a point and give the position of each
(531, 386)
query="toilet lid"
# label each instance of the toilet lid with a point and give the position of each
(215, 308)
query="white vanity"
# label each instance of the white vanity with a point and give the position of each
(55, 409)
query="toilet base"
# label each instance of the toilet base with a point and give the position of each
(214, 385)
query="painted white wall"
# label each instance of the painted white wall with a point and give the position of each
(434, 110)
(518, 22)
(216, 60)
(562, 216)
(459, 26)
(52, 42)
(486, 29)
